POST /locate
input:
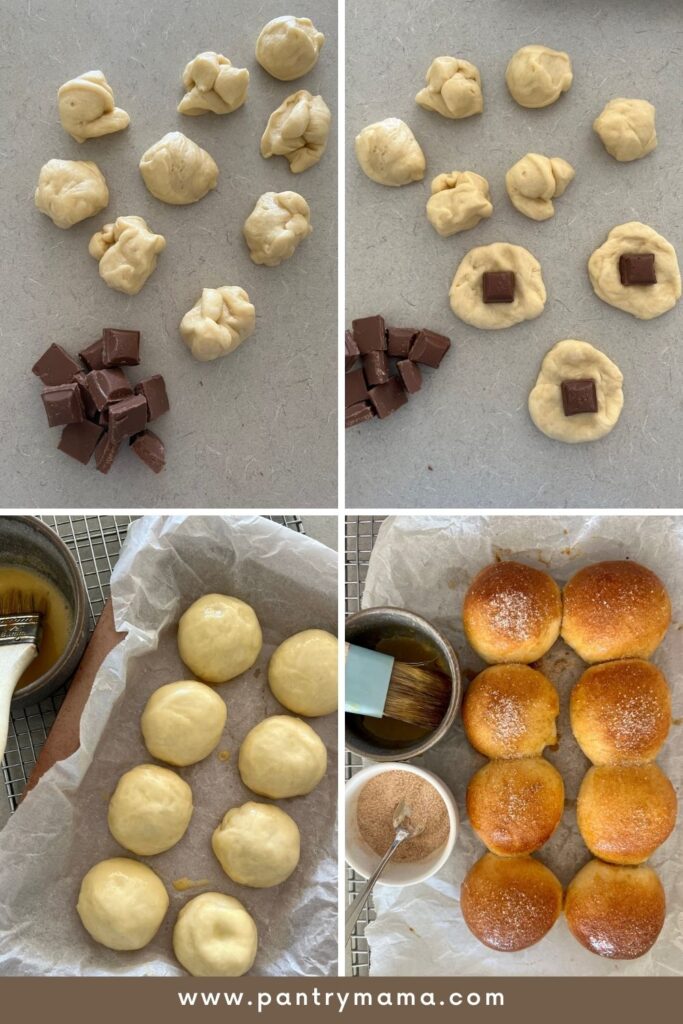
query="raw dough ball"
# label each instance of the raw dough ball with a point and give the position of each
(511, 711)
(215, 937)
(534, 181)
(642, 301)
(282, 757)
(453, 88)
(568, 360)
(178, 171)
(466, 290)
(150, 810)
(257, 845)
(288, 47)
(213, 84)
(458, 202)
(298, 130)
(218, 323)
(303, 673)
(86, 107)
(536, 75)
(389, 153)
(276, 225)
(122, 903)
(219, 637)
(69, 191)
(182, 722)
(627, 129)
(127, 251)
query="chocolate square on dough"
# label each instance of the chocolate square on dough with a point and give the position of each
(63, 404)
(55, 366)
(106, 386)
(120, 348)
(387, 398)
(637, 268)
(579, 395)
(376, 368)
(79, 440)
(356, 388)
(399, 340)
(150, 449)
(153, 389)
(369, 334)
(127, 417)
(429, 348)
(358, 413)
(409, 373)
(351, 352)
(498, 286)
(92, 355)
(105, 453)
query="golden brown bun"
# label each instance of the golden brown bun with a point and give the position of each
(615, 610)
(510, 904)
(512, 613)
(515, 806)
(625, 812)
(614, 911)
(621, 712)
(510, 711)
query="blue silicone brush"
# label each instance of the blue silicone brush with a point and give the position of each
(379, 686)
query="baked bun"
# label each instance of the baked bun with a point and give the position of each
(510, 711)
(512, 613)
(621, 712)
(625, 812)
(615, 610)
(614, 911)
(510, 904)
(515, 806)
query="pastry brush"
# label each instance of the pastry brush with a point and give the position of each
(21, 627)
(381, 687)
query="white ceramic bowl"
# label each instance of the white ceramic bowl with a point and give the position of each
(364, 860)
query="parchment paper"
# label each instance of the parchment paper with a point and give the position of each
(426, 564)
(61, 829)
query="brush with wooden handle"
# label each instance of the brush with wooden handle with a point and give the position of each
(381, 687)
(21, 627)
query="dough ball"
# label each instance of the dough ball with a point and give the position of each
(576, 360)
(458, 202)
(69, 191)
(615, 912)
(257, 845)
(298, 130)
(642, 301)
(289, 47)
(182, 722)
(218, 323)
(615, 610)
(215, 937)
(627, 129)
(625, 813)
(150, 810)
(537, 76)
(534, 181)
(86, 107)
(466, 293)
(127, 251)
(213, 84)
(219, 638)
(276, 225)
(515, 806)
(453, 88)
(282, 757)
(510, 903)
(621, 712)
(122, 903)
(303, 673)
(512, 613)
(389, 153)
(178, 171)
(511, 711)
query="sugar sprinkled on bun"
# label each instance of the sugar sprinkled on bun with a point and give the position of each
(511, 711)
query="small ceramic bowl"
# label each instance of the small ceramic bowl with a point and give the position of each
(364, 860)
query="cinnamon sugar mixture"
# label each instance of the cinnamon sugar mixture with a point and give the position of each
(376, 807)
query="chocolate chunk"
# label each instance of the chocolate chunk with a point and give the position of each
(369, 334)
(387, 398)
(120, 348)
(127, 417)
(79, 440)
(399, 340)
(92, 356)
(153, 390)
(376, 367)
(107, 386)
(105, 453)
(63, 404)
(499, 286)
(356, 388)
(579, 395)
(351, 352)
(55, 366)
(88, 404)
(359, 413)
(429, 348)
(150, 448)
(410, 375)
(637, 268)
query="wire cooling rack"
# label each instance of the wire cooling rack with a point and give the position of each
(95, 543)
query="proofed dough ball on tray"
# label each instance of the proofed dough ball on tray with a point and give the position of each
(150, 809)
(282, 757)
(122, 903)
(182, 722)
(511, 711)
(219, 637)
(303, 673)
(257, 845)
(215, 937)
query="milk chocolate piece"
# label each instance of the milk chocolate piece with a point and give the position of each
(88, 404)
(107, 386)
(127, 417)
(358, 413)
(498, 286)
(153, 390)
(429, 348)
(399, 340)
(637, 268)
(351, 352)
(579, 395)
(55, 366)
(92, 356)
(387, 398)
(63, 404)
(356, 388)
(376, 367)
(410, 375)
(369, 334)
(105, 453)
(79, 440)
(150, 448)
(120, 348)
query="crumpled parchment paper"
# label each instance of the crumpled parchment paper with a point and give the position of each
(426, 564)
(61, 829)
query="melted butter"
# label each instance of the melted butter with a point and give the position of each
(390, 732)
(183, 884)
(57, 620)
(406, 649)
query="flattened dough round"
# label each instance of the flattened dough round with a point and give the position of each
(537, 76)
(458, 202)
(303, 673)
(122, 903)
(642, 301)
(257, 845)
(389, 153)
(453, 88)
(627, 128)
(219, 637)
(466, 289)
(215, 937)
(182, 722)
(150, 809)
(282, 757)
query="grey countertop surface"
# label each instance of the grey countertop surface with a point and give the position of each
(255, 429)
(466, 440)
